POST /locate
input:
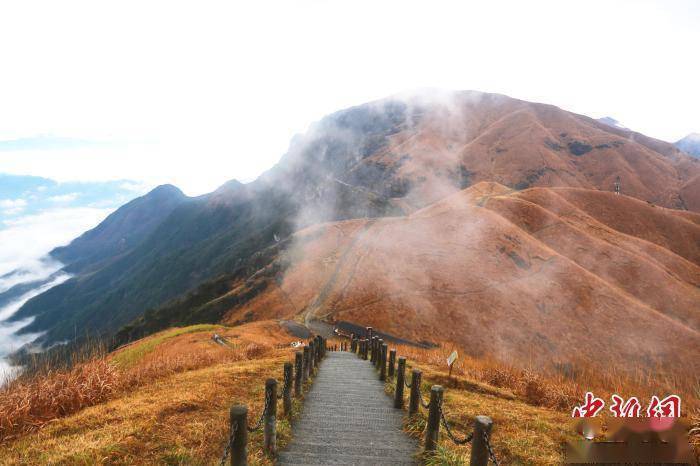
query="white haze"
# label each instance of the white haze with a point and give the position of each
(195, 93)
(9, 339)
(25, 242)
(24, 245)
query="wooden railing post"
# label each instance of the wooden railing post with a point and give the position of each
(371, 350)
(369, 333)
(392, 362)
(400, 377)
(375, 351)
(287, 389)
(382, 362)
(238, 423)
(365, 348)
(432, 429)
(271, 416)
(298, 370)
(480, 454)
(312, 358)
(414, 401)
(305, 369)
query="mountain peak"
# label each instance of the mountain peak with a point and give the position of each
(227, 189)
(167, 190)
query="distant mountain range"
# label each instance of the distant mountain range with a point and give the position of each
(165, 259)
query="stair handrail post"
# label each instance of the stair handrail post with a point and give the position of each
(298, 370)
(377, 346)
(414, 401)
(287, 389)
(375, 353)
(270, 421)
(312, 358)
(238, 425)
(400, 377)
(392, 362)
(482, 431)
(305, 369)
(432, 429)
(382, 362)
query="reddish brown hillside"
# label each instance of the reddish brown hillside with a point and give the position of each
(466, 137)
(524, 276)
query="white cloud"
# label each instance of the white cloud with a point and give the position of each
(26, 240)
(64, 198)
(12, 206)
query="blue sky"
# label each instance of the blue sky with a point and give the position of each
(38, 214)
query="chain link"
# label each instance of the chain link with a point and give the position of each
(492, 455)
(449, 432)
(262, 415)
(227, 449)
(285, 385)
(408, 385)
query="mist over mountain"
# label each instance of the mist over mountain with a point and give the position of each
(610, 121)
(169, 260)
(690, 144)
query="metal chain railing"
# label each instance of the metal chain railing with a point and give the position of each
(492, 455)
(443, 420)
(262, 415)
(449, 432)
(227, 449)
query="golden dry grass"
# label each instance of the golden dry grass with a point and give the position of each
(30, 403)
(174, 408)
(531, 412)
(179, 419)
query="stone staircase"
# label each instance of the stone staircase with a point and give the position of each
(347, 419)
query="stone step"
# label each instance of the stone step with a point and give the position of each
(298, 459)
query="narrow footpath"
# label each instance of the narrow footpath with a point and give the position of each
(347, 419)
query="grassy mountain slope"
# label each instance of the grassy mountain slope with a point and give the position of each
(384, 158)
(525, 276)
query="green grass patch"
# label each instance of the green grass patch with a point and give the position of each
(445, 457)
(131, 355)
